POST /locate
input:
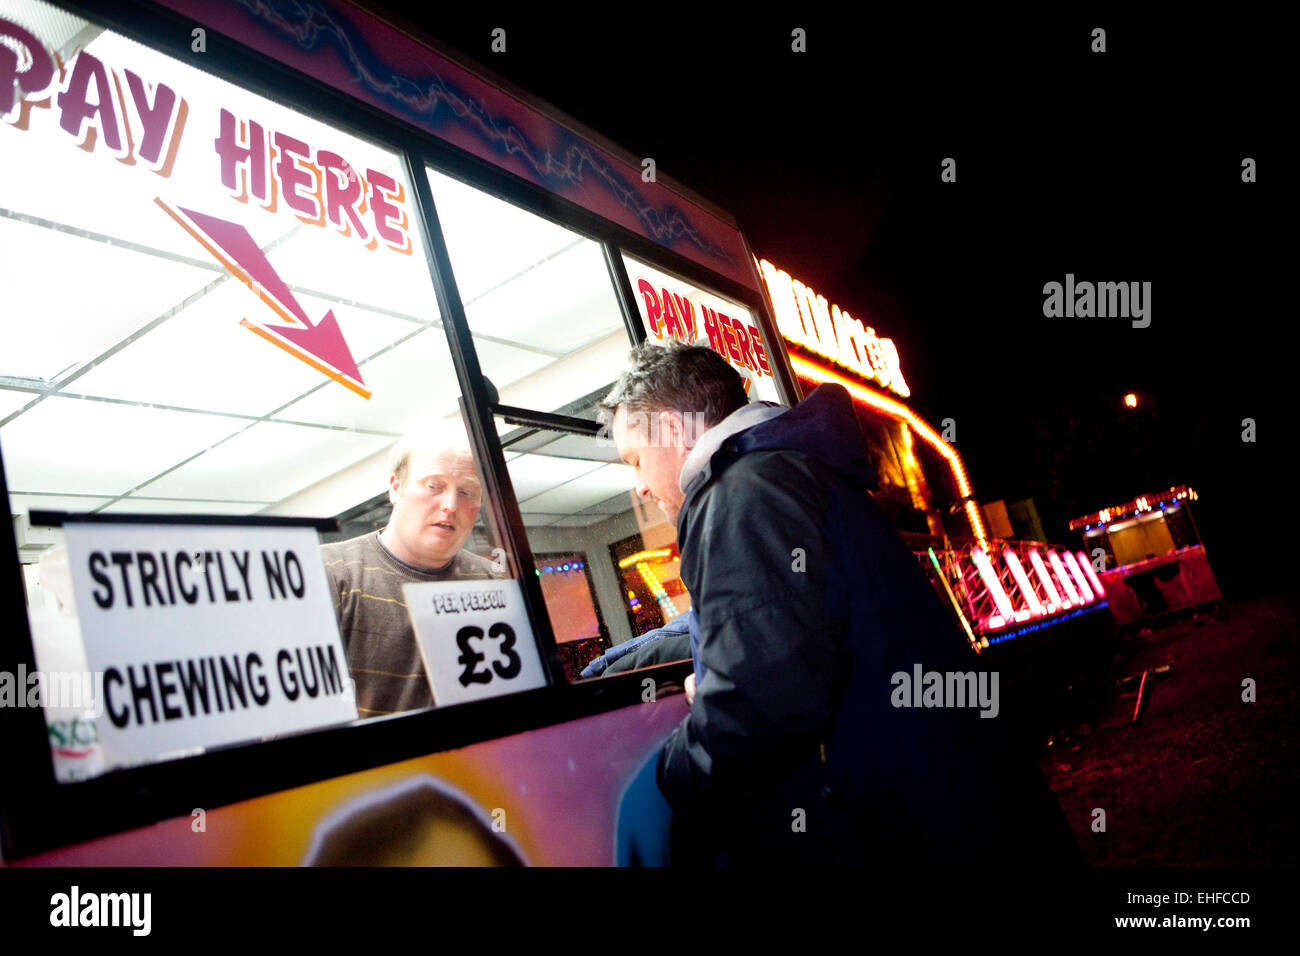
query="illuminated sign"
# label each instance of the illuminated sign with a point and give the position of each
(105, 108)
(267, 164)
(129, 117)
(672, 309)
(807, 320)
(1137, 506)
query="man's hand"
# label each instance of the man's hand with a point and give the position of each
(690, 689)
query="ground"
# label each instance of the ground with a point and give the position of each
(1202, 778)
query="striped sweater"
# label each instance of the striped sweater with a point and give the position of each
(383, 655)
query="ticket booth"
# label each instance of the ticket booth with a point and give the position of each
(1153, 561)
(244, 250)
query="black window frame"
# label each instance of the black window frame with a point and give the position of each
(38, 813)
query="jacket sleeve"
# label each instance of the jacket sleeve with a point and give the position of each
(757, 548)
(617, 657)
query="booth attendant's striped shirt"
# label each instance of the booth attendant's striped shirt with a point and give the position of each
(383, 655)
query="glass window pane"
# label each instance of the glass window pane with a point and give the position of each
(607, 560)
(538, 298)
(216, 305)
(131, 293)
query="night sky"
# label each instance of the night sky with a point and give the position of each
(1122, 166)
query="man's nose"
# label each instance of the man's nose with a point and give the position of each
(642, 490)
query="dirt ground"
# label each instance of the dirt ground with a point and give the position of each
(1202, 778)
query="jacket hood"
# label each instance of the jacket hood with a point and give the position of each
(823, 426)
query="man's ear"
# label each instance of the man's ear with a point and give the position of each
(671, 431)
(681, 429)
(394, 489)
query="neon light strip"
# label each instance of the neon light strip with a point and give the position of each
(1039, 625)
(657, 589)
(1045, 579)
(645, 556)
(1073, 565)
(956, 605)
(1136, 506)
(898, 410)
(1022, 581)
(1091, 572)
(990, 578)
(1063, 576)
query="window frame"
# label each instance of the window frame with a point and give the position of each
(38, 813)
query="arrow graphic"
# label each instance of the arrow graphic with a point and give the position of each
(321, 345)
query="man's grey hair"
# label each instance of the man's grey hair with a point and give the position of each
(445, 435)
(677, 376)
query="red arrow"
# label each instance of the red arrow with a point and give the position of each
(321, 346)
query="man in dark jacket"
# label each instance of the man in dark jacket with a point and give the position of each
(800, 745)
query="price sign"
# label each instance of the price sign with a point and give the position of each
(475, 638)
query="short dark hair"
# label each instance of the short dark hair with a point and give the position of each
(685, 378)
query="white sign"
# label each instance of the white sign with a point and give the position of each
(475, 638)
(206, 635)
(672, 309)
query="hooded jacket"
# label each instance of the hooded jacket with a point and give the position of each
(800, 744)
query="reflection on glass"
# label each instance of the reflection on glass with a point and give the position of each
(577, 504)
(434, 501)
(538, 298)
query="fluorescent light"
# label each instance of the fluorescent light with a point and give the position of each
(54, 321)
(531, 475)
(411, 383)
(267, 462)
(590, 489)
(69, 445)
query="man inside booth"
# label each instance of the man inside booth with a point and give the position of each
(434, 488)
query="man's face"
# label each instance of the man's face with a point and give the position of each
(434, 509)
(653, 443)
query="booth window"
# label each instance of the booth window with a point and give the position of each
(578, 508)
(541, 307)
(549, 333)
(213, 305)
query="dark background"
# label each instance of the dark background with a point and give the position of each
(1120, 166)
